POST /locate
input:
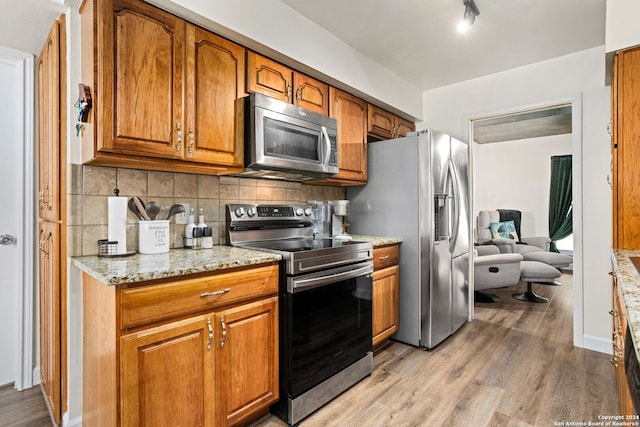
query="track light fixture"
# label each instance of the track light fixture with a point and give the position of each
(470, 13)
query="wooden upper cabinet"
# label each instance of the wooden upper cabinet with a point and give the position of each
(164, 90)
(278, 81)
(626, 151)
(142, 82)
(403, 127)
(268, 77)
(386, 125)
(310, 93)
(351, 113)
(214, 79)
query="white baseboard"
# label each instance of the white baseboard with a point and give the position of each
(598, 344)
(36, 376)
(76, 422)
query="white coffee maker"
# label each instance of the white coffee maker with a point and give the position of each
(339, 224)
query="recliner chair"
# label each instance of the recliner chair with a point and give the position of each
(492, 270)
(531, 248)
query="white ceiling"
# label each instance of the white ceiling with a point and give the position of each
(418, 40)
(25, 24)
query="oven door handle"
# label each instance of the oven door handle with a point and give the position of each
(298, 285)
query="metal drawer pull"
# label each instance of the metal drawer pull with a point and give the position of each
(216, 293)
(224, 331)
(614, 362)
(210, 334)
(611, 312)
(382, 258)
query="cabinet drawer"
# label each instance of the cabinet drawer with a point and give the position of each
(385, 257)
(146, 304)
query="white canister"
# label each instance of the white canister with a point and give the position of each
(153, 237)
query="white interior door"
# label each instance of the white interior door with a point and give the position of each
(16, 218)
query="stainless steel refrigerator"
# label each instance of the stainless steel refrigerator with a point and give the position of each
(418, 189)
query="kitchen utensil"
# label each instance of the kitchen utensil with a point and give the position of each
(175, 210)
(134, 209)
(152, 209)
(141, 210)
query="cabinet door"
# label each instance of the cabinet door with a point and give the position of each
(311, 94)
(403, 127)
(351, 113)
(385, 304)
(166, 375)
(214, 79)
(49, 310)
(269, 77)
(247, 360)
(381, 123)
(140, 72)
(627, 125)
(48, 95)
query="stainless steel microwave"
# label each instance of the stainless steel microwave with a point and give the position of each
(285, 141)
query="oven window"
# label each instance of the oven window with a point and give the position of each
(289, 141)
(329, 329)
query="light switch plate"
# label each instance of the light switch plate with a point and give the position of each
(183, 218)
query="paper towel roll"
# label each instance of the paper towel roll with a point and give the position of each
(117, 222)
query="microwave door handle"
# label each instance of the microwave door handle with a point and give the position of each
(327, 146)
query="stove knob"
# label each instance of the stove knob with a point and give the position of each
(299, 212)
(308, 211)
(239, 212)
(251, 211)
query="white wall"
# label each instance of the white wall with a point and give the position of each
(622, 29)
(577, 76)
(273, 28)
(516, 175)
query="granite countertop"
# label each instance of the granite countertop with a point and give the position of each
(377, 241)
(182, 262)
(175, 263)
(629, 288)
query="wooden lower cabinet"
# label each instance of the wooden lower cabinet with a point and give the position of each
(247, 360)
(618, 339)
(385, 293)
(167, 375)
(217, 367)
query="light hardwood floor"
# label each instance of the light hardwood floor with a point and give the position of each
(514, 365)
(23, 408)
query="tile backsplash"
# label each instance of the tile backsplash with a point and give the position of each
(89, 187)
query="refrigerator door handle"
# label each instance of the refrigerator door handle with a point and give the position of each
(456, 213)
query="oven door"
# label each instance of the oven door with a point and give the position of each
(327, 326)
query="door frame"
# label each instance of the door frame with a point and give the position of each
(576, 150)
(24, 369)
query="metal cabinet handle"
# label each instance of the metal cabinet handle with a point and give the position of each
(298, 94)
(224, 331)
(178, 137)
(614, 362)
(192, 139)
(289, 90)
(611, 312)
(215, 293)
(210, 343)
(382, 258)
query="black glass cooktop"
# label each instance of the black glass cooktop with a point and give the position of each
(298, 245)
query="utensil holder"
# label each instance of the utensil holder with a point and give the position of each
(153, 237)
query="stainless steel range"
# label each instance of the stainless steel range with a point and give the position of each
(325, 304)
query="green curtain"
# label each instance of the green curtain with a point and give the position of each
(560, 200)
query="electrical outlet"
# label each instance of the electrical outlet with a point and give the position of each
(183, 218)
